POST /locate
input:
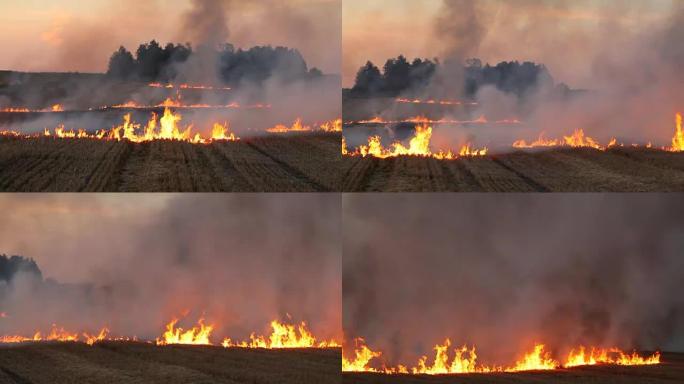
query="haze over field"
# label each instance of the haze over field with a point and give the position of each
(40, 35)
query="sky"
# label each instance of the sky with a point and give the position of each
(72, 35)
(567, 36)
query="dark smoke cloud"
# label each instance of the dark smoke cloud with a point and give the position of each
(206, 23)
(503, 272)
(133, 263)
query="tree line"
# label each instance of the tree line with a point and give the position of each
(154, 63)
(398, 76)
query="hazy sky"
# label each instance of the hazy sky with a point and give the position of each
(564, 35)
(73, 35)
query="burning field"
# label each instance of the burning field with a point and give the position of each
(605, 118)
(213, 114)
(202, 304)
(495, 294)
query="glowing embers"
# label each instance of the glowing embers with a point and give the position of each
(443, 121)
(197, 335)
(433, 102)
(53, 108)
(179, 104)
(678, 139)
(187, 86)
(465, 360)
(418, 145)
(283, 336)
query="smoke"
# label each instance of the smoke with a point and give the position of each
(626, 75)
(134, 263)
(504, 272)
(206, 22)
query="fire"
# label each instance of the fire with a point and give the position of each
(593, 356)
(465, 360)
(52, 108)
(432, 102)
(678, 139)
(198, 335)
(165, 128)
(419, 145)
(187, 86)
(443, 121)
(58, 334)
(331, 126)
(178, 103)
(576, 140)
(92, 339)
(283, 336)
(297, 126)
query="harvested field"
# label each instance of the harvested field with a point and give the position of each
(114, 362)
(557, 170)
(288, 163)
(670, 371)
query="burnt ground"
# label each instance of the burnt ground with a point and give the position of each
(119, 362)
(556, 170)
(670, 371)
(275, 163)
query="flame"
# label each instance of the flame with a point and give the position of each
(296, 127)
(593, 356)
(187, 86)
(678, 139)
(432, 101)
(425, 120)
(576, 140)
(419, 145)
(465, 360)
(331, 126)
(165, 128)
(198, 335)
(282, 336)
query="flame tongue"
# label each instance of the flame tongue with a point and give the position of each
(198, 335)
(465, 360)
(283, 336)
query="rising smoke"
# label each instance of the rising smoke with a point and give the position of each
(134, 263)
(504, 272)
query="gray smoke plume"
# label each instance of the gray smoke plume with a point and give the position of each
(504, 272)
(133, 263)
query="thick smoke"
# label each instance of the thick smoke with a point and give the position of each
(134, 263)
(623, 60)
(504, 272)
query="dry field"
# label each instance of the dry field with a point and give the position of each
(670, 371)
(111, 362)
(558, 170)
(287, 163)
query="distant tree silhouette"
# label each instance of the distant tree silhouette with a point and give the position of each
(10, 266)
(399, 76)
(153, 62)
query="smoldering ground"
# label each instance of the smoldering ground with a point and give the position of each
(504, 272)
(134, 263)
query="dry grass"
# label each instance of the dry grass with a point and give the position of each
(559, 170)
(303, 163)
(144, 363)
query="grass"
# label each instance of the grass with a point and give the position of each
(289, 163)
(555, 170)
(126, 362)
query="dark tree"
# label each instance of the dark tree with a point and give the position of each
(121, 64)
(368, 79)
(10, 266)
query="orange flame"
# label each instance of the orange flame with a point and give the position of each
(465, 360)
(282, 336)
(576, 140)
(678, 139)
(198, 335)
(297, 126)
(419, 145)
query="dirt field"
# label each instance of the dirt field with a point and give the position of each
(306, 163)
(559, 170)
(57, 363)
(670, 371)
